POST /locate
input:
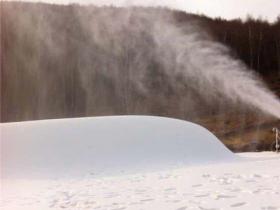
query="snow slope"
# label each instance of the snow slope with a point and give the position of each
(242, 185)
(71, 147)
(130, 163)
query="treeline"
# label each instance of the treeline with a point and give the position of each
(72, 61)
(255, 41)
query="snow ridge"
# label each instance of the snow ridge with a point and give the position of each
(105, 144)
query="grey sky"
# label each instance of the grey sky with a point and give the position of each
(229, 9)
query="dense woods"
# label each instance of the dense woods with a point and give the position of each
(256, 42)
(52, 65)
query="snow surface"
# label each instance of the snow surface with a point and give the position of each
(72, 147)
(160, 163)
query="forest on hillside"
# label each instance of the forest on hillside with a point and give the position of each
(254, 41)
(62, 61)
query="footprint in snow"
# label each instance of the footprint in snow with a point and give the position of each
(197, 185)
(238, 204)
(202, 208)
(134, 203)
(256, 176)
(139, 192)
(250, 180)
(147, 200)
(218, 197)
(206, 175)
(234, 190)
(122, 208)
(176, 201)
(170, 191)
(182, 208)
(202, 195)
(269, 208)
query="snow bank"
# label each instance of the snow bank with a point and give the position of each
(101, 144)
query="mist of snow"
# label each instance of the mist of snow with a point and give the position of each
(184, 51)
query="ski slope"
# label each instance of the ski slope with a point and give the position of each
(130, 162)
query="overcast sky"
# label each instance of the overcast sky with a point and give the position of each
(229, 9)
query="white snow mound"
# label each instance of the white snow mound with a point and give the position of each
(98, 144)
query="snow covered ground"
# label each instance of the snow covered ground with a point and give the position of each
(182, 166)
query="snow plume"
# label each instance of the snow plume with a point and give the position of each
(130, 60)
(211, 70)
(185, 53)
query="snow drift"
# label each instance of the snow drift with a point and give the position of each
(105, 144)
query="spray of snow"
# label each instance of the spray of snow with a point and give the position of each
(185, 52)
(141, 51)
(212, 68)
